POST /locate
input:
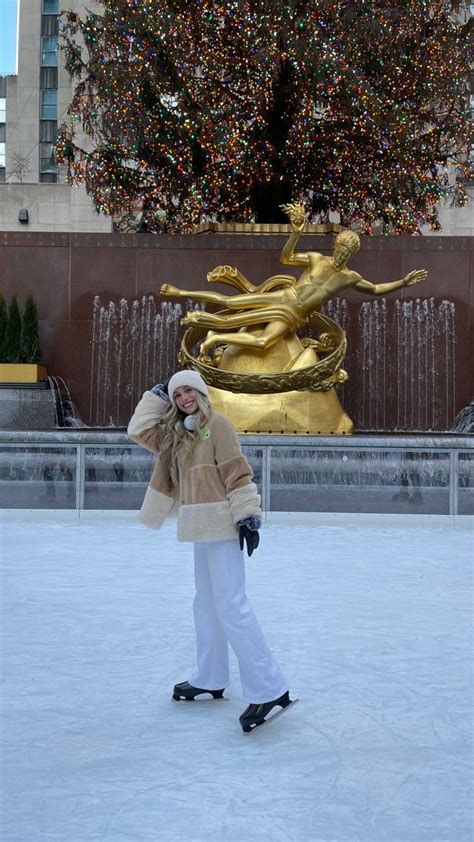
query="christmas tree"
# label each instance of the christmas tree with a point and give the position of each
(13, 334)
(224, 110)
(30, 343)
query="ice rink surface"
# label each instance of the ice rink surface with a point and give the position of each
(372, 627)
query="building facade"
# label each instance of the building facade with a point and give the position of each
(34, 195)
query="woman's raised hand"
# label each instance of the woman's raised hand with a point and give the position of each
(161, 390)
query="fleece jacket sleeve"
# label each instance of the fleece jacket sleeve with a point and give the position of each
(146, 426)
(235, 472)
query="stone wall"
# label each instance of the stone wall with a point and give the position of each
(105, 330)
(51, 207)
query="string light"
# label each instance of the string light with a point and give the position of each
(360, 106)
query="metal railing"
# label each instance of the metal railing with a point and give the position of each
(102, 470)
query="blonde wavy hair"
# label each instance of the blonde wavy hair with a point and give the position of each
(179, 442)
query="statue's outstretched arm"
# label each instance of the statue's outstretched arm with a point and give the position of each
(288, 255)
(297, 215)
(414, 277)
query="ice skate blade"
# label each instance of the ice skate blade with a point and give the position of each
(198, 701)
(270, 718)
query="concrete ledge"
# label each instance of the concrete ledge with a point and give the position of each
(66, 515)
(377, 521)
(27, 409)
(118, 436)
(368, 519)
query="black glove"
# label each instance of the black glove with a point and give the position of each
(161, 389)
(250, 536)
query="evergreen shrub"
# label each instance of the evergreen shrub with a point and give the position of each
(30, 342)
(13, 334)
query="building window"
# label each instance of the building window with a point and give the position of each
(2, 175)
(47, 162)
(50, 7)
(49, 105)
(2, 133)
(49, 25)
(48, 131)
(3, 109)
(49, 51)
(2, 155)
(48, 77)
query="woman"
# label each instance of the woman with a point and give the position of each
(202, 473)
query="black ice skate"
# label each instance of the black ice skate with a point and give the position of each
(256, 715)
(186, 692)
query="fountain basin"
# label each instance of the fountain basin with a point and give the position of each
(26, 406)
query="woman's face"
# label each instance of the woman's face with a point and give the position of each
(185, 399)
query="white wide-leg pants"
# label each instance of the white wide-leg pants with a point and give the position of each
(223, 615)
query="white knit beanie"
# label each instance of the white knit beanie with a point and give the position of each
(187, 377)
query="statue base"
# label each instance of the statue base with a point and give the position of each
(283, 413)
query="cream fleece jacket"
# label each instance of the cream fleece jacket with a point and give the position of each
(213, 490)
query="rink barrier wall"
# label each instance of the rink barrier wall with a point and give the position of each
(88, 472)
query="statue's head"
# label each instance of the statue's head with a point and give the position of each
(346, 244)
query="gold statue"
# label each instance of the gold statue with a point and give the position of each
(260, 339)
(322, 279)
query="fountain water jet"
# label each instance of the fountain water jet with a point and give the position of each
(132, 345)
(403, 361)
